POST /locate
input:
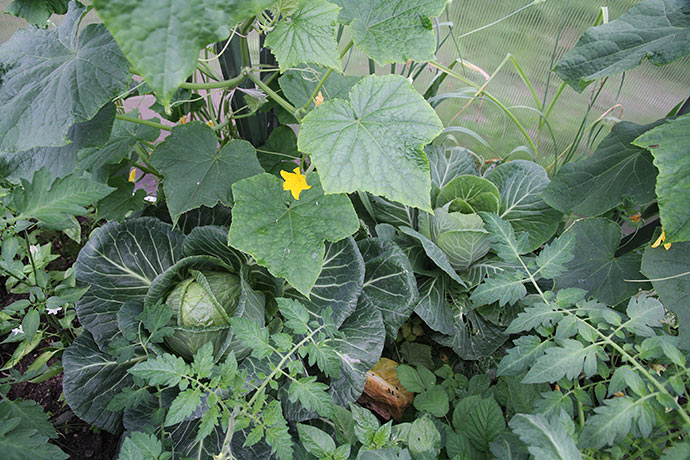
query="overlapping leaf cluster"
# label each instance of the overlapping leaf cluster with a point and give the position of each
(396, 240)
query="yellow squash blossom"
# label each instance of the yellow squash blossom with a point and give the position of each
(295, 182)
(660, 240)
(133, 175)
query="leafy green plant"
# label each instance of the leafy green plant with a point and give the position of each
(239, 316)
(26, 431)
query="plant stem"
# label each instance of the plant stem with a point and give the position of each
(145, 159)
(281, 364)
(31, 257)
(223, 84)
(153, 124)
(324, 78)
(272, 94)
(517, 123)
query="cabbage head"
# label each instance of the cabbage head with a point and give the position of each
(455, 227)
(202, 306)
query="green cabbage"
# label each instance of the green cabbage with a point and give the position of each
(202, 307)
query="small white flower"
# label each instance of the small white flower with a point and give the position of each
(18, 330)
(53, 311)
(35, 250)
(150, 198)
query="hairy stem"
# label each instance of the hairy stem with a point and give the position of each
(153, 124)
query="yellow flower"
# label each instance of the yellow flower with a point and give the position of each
(183, 119)
(635, 218)
(210, 123)
(318, 99)
(295, 182)
(132, 175)
(660, 240)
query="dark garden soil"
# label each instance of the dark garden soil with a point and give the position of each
(76, 438)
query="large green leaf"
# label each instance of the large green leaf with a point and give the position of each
(668, 270)
(196, 172)
(60, 161)
(339, 284)
(521, 184)
(669, 144)
(473, 337)
(359, 348)
(469, 194)
(162, 38)
(595, 268)
(615, 419)
(54, 203)
(448, 163)
(389, 282)
(658, 30)
(53, 79)
(433, 307)
(373, 142)
(480, 419)
(393, 30)
(298, 85)
(461, 237)
(615, 170)
(37, 12)
(547, 439)
(123, 137)
(122, 201)
(92, 378)
(434, 253)
(306, 35)
(287, 235)
(118, 264)
(280, 150)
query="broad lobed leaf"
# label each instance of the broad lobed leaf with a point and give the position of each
(54, 78)
(373, 142)
(286, 235)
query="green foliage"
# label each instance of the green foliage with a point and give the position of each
(384, 123)
(306, 35)
(25, 431)
(522, 183)
(165, 52)
(287, 235)
(392, 30)
(55, 203)
(597, 268)
(205, 178)
(45, 74)
(546, 438)
(660, 34)
(668, 272)
(616, 170)
(242, 314)
(667, 143)
(37, 12)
